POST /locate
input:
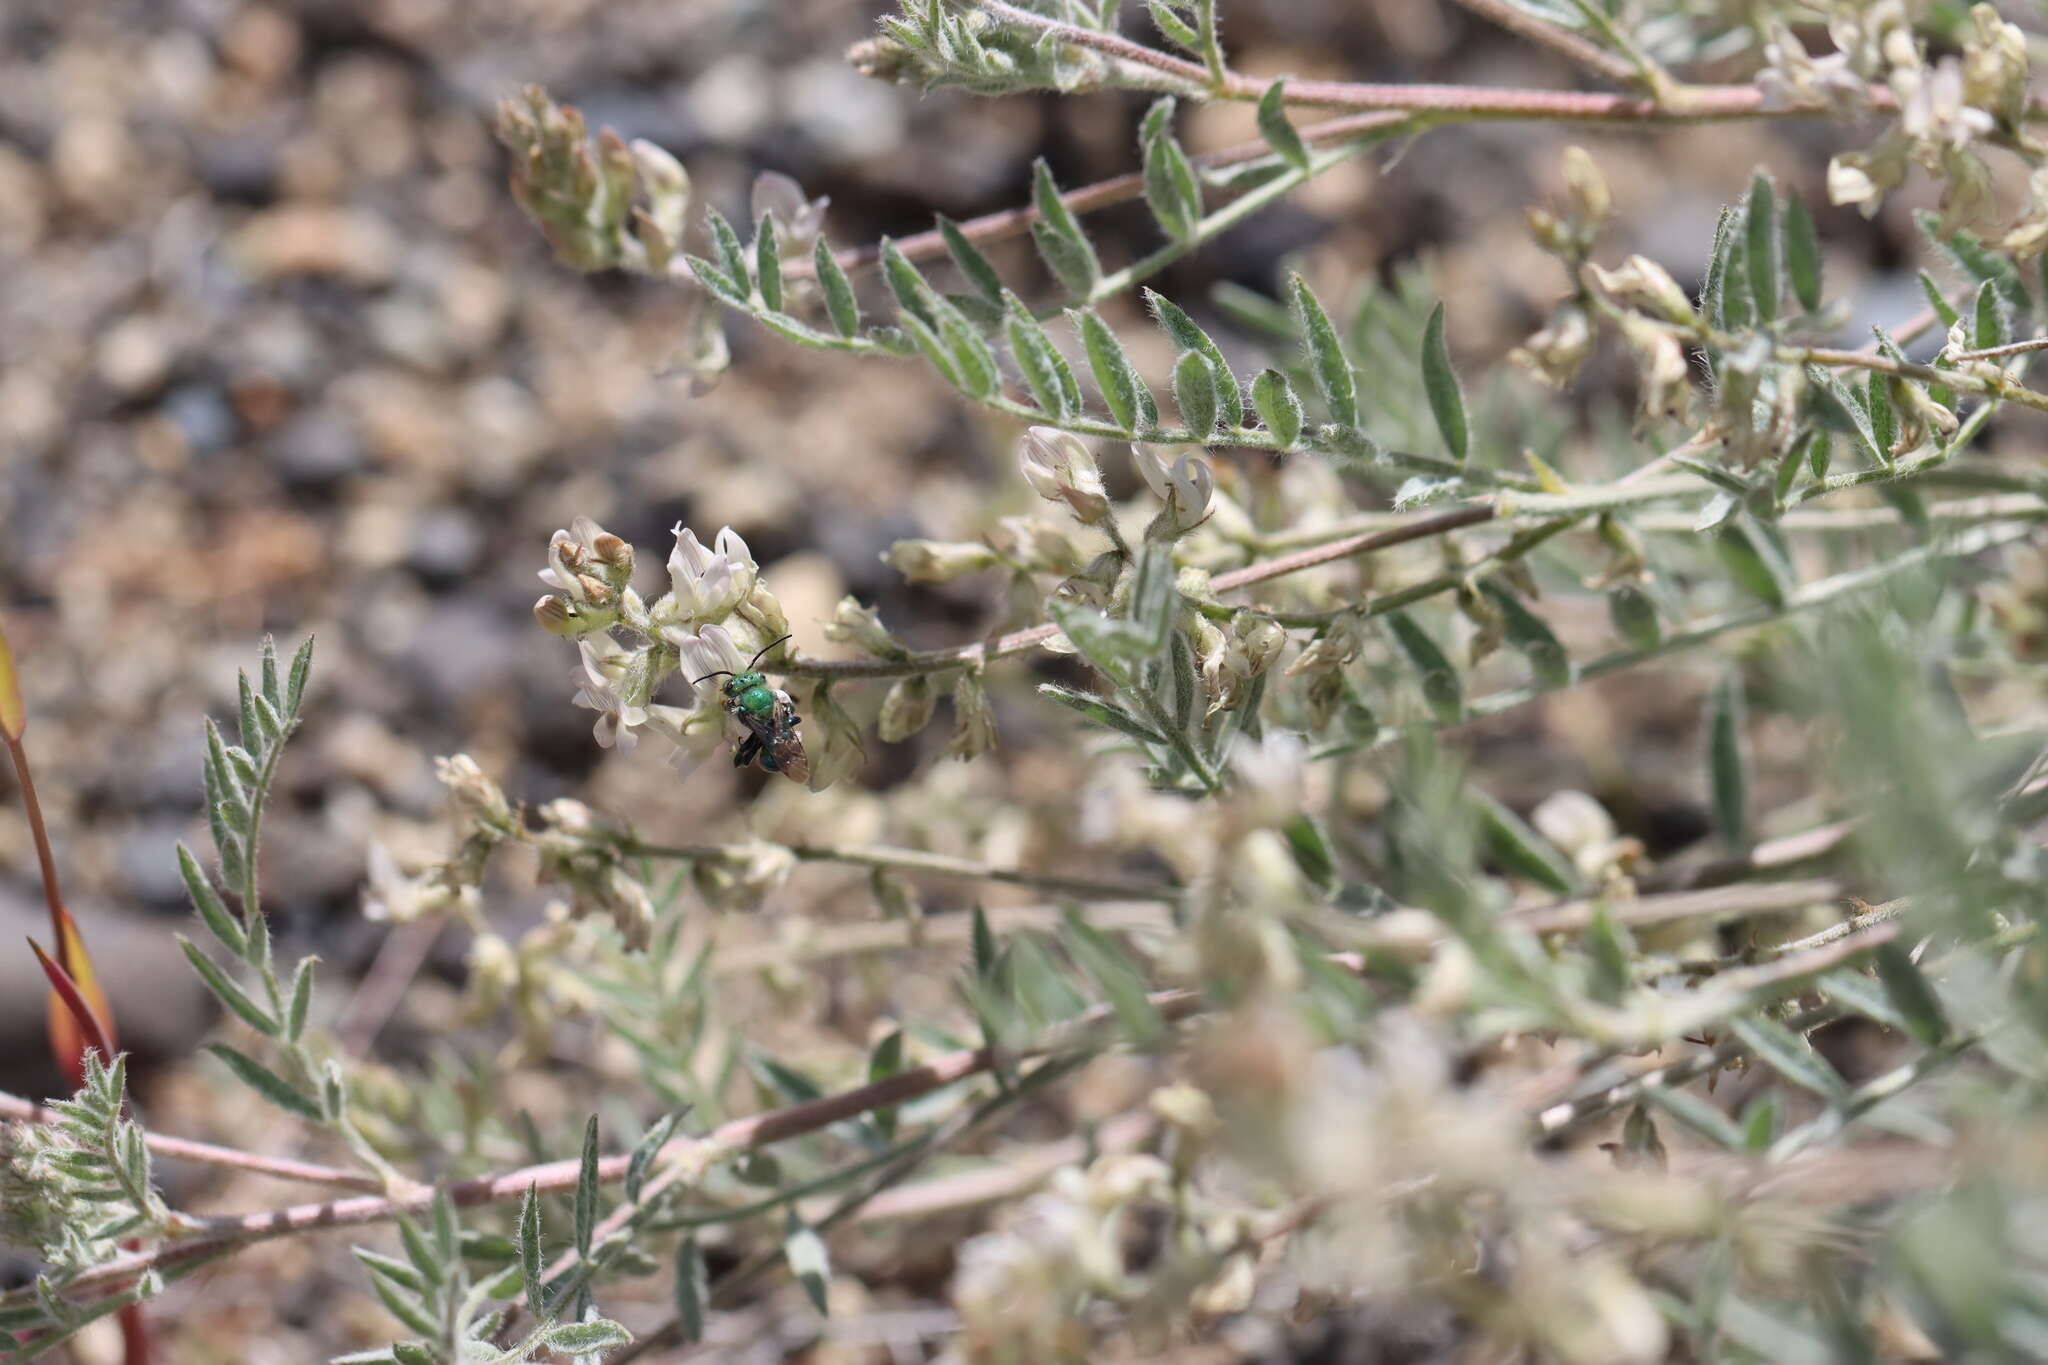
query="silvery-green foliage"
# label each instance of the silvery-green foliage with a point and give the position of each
(1348, 545)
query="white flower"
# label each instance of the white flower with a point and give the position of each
(705, 651)
(1186, 486)
(569, 560)
(1060, 469)
(709, 584)
(1932, 108)
(604, 685)
(697, 732)
(798, 217)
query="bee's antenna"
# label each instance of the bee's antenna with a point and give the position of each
(721, 673)
(765, 648)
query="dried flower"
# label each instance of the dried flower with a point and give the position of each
(907, 708)
(1555, 353)
(974, 723)
(837, 751)
(1641, 282)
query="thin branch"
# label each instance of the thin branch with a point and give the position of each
(2009, 349)
(682, 1158)
(1682, 104)
(1017, 641)
(948, 928)
(1960, 380)
(1120, 189)
(283, 1168)
(917, 860)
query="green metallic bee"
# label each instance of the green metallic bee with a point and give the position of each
(770, 717)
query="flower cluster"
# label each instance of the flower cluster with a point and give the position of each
(714, 618)
(1946, 108)
(1122, 1231)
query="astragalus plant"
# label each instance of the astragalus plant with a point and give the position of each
(1390, 1058)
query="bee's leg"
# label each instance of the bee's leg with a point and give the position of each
(749, 747)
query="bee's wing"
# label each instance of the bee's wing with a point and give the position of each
(786, 744)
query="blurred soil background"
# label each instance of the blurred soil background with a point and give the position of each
(278, 354)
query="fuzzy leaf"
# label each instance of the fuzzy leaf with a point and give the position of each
(213, 912)
(1988, 323)
(1281, 135)
(645, 1150)
(1059, 238)
(1754, 562)
(1196, 391)
(1788, 1054)
(1102, 712)
(1278, 408)
(1112, 971)
(912, 291)
(1977, 262)
(883, 1062)
(1802, 254)
(1519, 849)
(1123, 392)
(1697, 1114)
(1440, 685)
(768, 263)
(1440, 381)
(1909, 990)
(1172, 27)
(1334, 378)
(1728, 761)
(266, 1082)
(586, 1188)
(531, 1262)
(805, 1251)
(1046, 372)
(1186, 336)
(693, 1290)
(1761, 247)
(580, 1338)
(975, 266)
(1171, 190)
(230, 994)
(301, 1000)
(732, 257)
(840, 302)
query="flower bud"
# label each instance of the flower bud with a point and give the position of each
(614, 556)
(1995, 65)
(475, 793)
(558, 617)
(1058, 466)
(1586, 188)
(937, 561)
(861, 626)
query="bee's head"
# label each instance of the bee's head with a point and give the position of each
(740, 682)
